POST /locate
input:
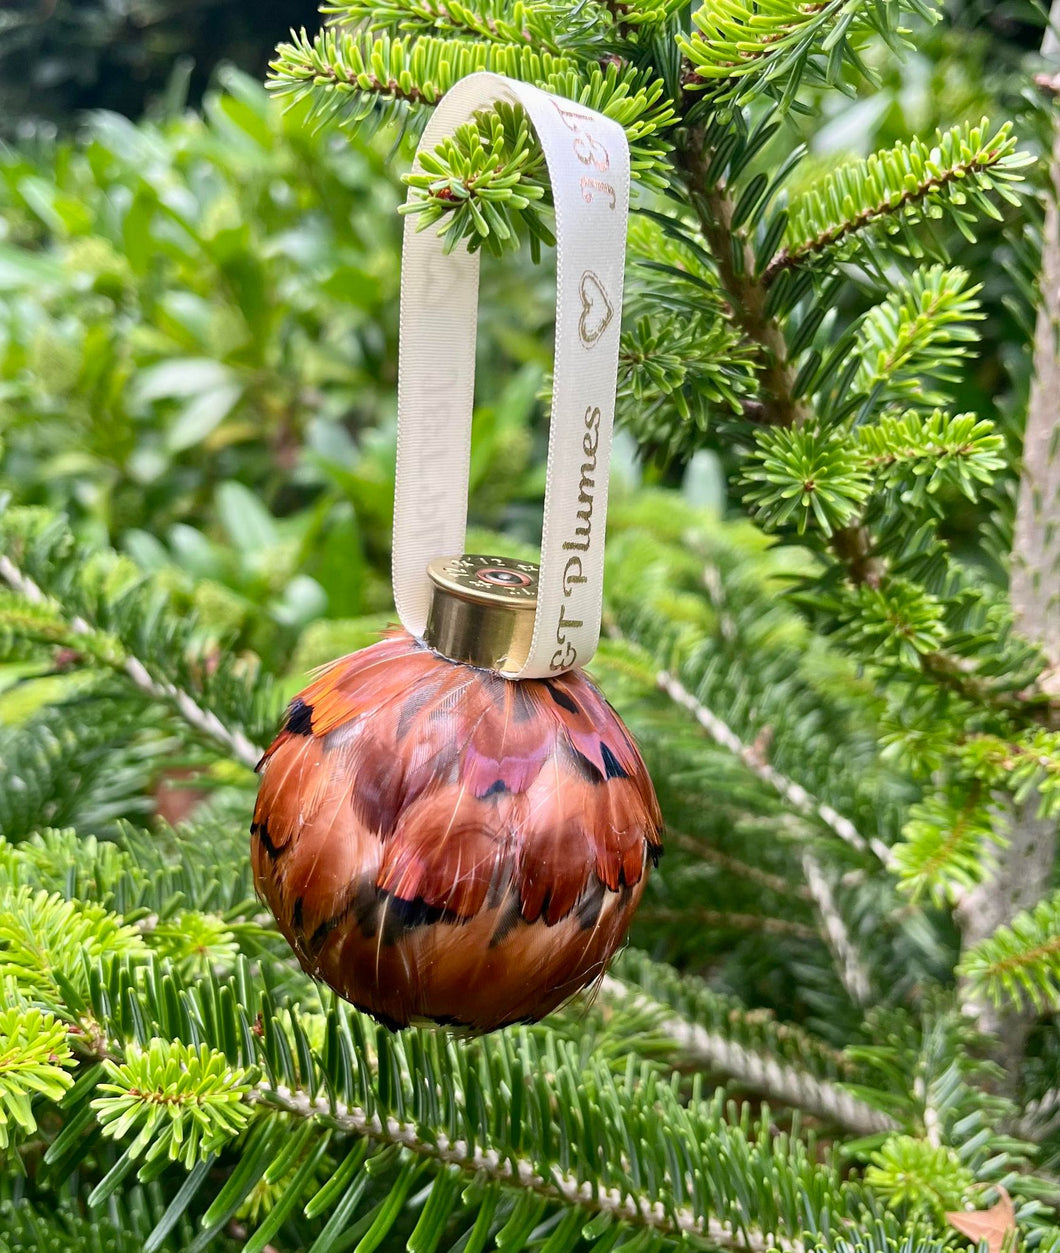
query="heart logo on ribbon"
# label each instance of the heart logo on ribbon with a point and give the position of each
(597, 310)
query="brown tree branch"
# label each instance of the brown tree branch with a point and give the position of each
(1035, 585)
(747, 293)
(1022, 876)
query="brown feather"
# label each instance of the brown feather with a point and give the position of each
(447, 853)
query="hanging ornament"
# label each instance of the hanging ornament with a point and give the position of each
(453, 825)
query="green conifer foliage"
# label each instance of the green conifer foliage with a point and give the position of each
(799, 1050)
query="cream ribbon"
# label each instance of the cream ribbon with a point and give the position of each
(588, 163)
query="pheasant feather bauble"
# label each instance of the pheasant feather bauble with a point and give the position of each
(437, 842)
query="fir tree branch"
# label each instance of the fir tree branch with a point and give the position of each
(963, 164)
(853, 972)
(1020, 879)
(957, 675)
(407, 71)
(739, 49)
(905, 625)
(1030, 765)
(518, 1172)
(774, 1079)
(34, 1062)
(709, 1174)
(923, 453)
(945, 844)
(1019, 963)
(1039, 1118)
(793, 793)
(803, 477)
(920, 329)
(856, 549)
(341, 61)
(621, 11)
(674, 368)
(715, 208)
(733, 865)
(357, 75)
(757, 1030)
(202, 720)
(850, 967)
(533, 24)
(718, 920)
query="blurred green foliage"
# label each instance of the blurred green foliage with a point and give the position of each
(197, 357)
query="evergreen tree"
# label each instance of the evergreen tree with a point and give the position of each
(838, 1019)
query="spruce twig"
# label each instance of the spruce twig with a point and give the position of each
(849, 963)
(775, 1080)
(719, 920)
(1039, 1118)
(478, 1161)
(793, 793)
(204, 721)
(733, 865)
(927, 186)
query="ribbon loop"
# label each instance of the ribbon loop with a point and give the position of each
(588, 162)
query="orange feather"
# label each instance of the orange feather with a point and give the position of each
(438, 842)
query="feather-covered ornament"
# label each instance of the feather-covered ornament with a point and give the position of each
(438, 842)
(453, 824)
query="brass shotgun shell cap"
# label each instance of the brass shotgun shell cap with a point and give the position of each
(482, 610)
